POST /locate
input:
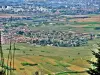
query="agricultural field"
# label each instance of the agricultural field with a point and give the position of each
(91, 19)
(11, 15)
(51, 60)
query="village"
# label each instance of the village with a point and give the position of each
(23, 34)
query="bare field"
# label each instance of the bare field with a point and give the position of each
(90, 19)
(11, 15)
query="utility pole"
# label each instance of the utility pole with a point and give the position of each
(9, 60)
(14, 56)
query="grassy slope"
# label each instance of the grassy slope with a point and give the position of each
(54, 60)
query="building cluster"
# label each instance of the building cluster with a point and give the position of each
(46, 11)
(51, 6)
(22, 34)
(21, 9)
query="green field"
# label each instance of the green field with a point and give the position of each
(52, 59)
(85, 23)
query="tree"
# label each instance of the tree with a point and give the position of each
(2, 72)
(96, 65)
(20, 32)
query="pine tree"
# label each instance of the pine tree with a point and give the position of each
(96, 65)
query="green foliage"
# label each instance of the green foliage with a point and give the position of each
(62, 64)
(15, 49)
(42, 51)
(20, 32)
(63, 73)
(49, 74)
(97, 28)
(96, 65)
(28, 64)
(25, 63)
(8, 67)
(85, 23)
(22, 68)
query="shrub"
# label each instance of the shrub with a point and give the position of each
(28, 64)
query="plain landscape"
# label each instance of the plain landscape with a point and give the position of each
(48, 39)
